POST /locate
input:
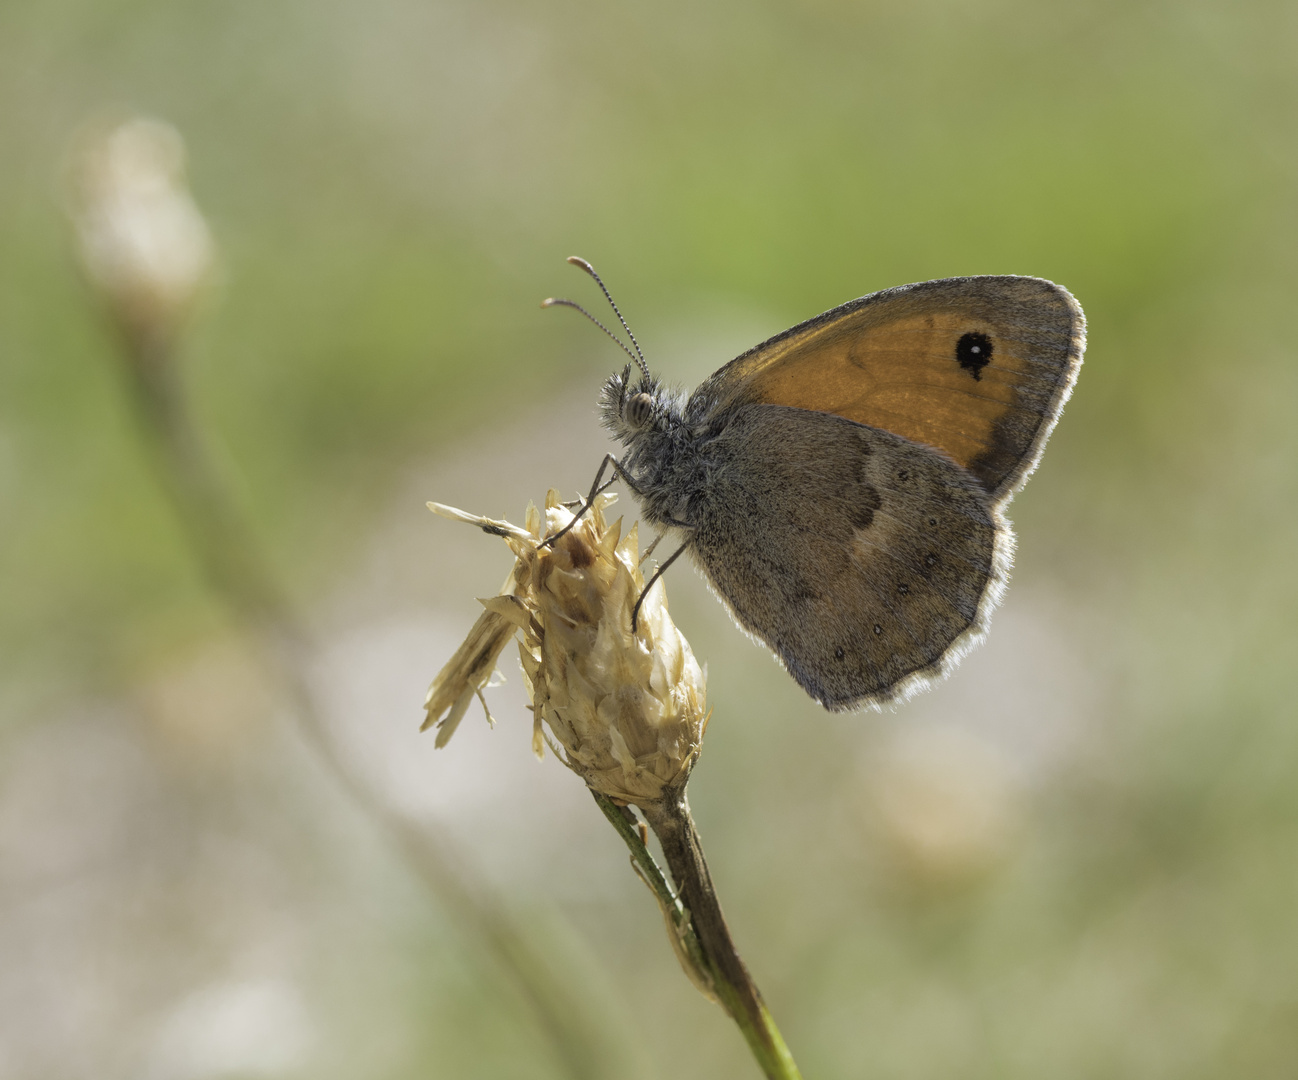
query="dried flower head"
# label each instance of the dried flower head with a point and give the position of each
(627, 709)
(142, 239)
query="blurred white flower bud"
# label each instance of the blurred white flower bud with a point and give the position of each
(626, 708)
(143, 242)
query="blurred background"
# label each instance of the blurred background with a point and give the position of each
(1078, 857)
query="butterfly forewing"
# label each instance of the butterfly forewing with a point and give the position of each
(977, 367)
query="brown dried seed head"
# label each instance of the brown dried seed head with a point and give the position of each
(626, 709)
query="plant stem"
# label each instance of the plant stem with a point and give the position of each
(215, 531)
(680, 929)
(734, 987)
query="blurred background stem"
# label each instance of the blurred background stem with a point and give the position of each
(225, 549)
(221, 541)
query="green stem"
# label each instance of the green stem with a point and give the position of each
(679, 927)
(701, 928)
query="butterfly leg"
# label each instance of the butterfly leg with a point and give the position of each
(635, 611)
(600, 485)
(653, 544)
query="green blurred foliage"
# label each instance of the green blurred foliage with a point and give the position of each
(393, 186)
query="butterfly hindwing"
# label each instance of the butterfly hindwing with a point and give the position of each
(862, 559)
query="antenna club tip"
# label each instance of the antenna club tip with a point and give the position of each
(577, 260)
(549, 301)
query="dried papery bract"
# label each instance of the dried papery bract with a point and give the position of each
(474, 662)
(626, 709)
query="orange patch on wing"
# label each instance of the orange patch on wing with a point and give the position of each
(902, 376)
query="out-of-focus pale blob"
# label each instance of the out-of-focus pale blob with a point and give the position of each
(254, 1027)
(142, 240)
(941, 803)
(209, 703)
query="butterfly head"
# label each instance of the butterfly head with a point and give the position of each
(636, 408)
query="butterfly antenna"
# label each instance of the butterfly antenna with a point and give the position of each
(577, 260)
(555, 302)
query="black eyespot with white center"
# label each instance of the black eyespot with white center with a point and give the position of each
(639, 410)
(838, 653)
(973, 352)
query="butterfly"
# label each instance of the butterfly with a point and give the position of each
(842, 486)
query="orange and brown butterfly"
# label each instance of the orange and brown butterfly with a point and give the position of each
(842, 486)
